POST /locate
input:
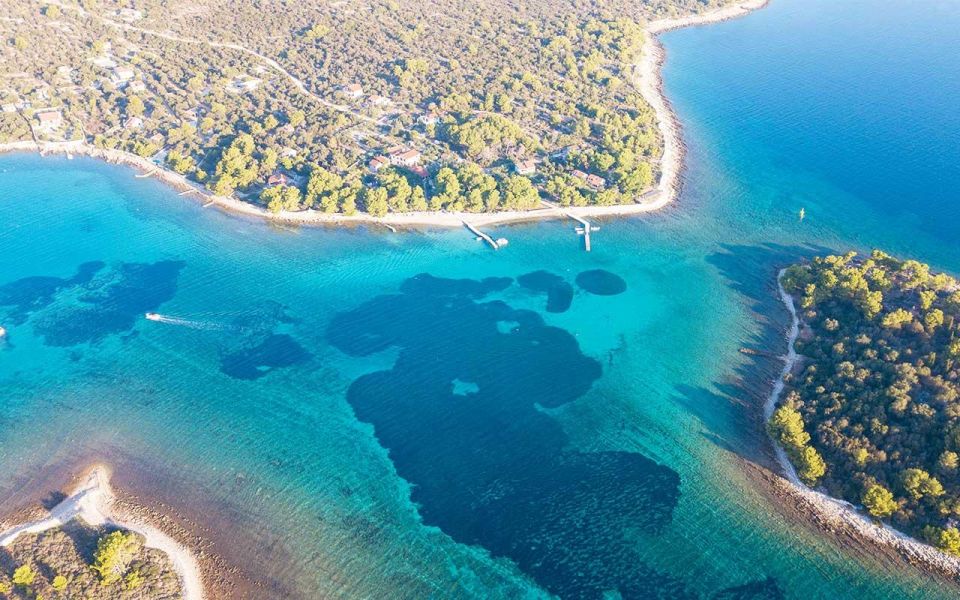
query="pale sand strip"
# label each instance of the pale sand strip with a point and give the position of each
(93, 502)
(832, 510)
(646, 79)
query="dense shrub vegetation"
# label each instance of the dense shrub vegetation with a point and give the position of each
(197, 87)
(76, 561)
(873, 415)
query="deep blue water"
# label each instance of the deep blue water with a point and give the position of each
(353, 413)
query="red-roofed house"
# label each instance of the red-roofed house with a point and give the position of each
(277, 179)
(49, 119)
(596, 182)
(378, 163)
(354, 90)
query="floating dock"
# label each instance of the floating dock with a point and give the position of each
(493, 243)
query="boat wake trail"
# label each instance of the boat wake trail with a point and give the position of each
(183, 322)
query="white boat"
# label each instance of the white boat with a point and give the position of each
(3, 333)
(152, 316)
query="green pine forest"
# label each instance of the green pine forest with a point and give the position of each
(872, 414)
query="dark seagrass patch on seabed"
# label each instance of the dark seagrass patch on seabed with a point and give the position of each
(95, 303)
(764, 589)
(559, 292)
(34, 293)
(489, 467)
(273, 352)
(601, 282)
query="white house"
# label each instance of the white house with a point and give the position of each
(525, 167)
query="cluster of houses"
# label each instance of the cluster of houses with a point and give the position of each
(594, 182)
(28, 93)
(121, 77)
(354, 91)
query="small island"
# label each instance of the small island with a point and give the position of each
(870, 412)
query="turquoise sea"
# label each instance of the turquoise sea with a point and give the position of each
(355, 413)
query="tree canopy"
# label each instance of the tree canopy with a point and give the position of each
(878, 395)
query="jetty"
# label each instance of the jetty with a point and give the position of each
(585, 227)
(493, 243)
(583, 230)
(147, 174)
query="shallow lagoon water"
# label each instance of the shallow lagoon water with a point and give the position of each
(387, 415)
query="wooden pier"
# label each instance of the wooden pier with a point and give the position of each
(493, 243)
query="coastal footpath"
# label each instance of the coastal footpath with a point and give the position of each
(646, 79)
(93, 504)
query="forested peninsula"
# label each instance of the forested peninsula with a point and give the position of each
(871, 412)
(376, 107)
